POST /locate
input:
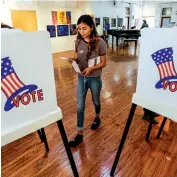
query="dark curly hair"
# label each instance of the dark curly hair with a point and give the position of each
(92, 45)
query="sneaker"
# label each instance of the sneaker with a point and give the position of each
(76, 140)
(95, 123)
(148, 119)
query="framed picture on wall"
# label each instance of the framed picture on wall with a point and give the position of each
(73, 29)
(105, 21)
(61, 17)
(52, 30)
(113, 22)
(62, 30)
(97, 21)
(68, 17)
(54, 18)
(119, 22)
(127, 10)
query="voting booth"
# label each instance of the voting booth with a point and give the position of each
(28, 94)
(157, 79)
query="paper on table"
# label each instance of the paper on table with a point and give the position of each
(76, 67)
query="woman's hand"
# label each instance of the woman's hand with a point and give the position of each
(86, 72)
(70, 60)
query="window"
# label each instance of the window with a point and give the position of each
(113, 22)
(105, 21)
(127, 11)
(167, 11)
(120, 22)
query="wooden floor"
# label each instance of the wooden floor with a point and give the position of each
(26, 157)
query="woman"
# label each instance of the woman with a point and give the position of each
(89, 47)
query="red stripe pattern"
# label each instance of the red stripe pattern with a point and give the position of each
(10, 82)
(164, 61)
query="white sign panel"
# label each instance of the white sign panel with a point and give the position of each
(7, 30)
(27, 84)
(157, 71)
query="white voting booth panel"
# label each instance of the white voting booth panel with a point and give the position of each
(7, 30)
(157, 80)
(27, 84)
(157, 72)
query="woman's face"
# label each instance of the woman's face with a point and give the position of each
(84, 30)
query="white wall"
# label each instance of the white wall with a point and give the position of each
(5, 15)
(148, 11)
(63, 43)
(107, 9)
(174, 13)
(43, 9)
(43, 13)
(137, 14)
(159, 12)
(154, 9)
(149, 15)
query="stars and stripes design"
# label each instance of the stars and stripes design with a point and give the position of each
(10, 82)
(164, 61)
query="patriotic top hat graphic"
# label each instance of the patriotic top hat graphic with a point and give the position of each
(164, 60)
(11, 85)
